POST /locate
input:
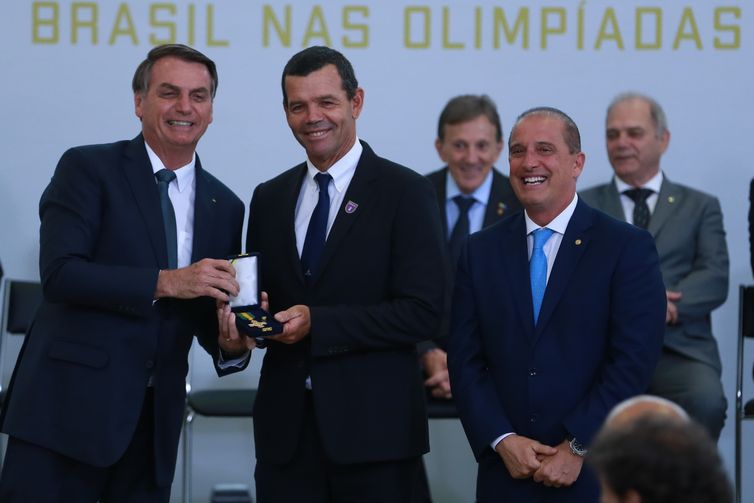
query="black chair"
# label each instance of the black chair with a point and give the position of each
(211, 403)
(743, 411)
(20, 302)
(438, 408)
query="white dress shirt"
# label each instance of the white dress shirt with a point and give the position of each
(182, 193)
(550, 248)
(341, 172)
(628, 204)
(476, 213)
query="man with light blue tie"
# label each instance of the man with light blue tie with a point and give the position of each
(557, 316)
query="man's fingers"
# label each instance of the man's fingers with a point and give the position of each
(543, 449)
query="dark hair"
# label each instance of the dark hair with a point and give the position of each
(571, 134)
(468, 107)
(315, 58)
(663, 460)
(140, 82)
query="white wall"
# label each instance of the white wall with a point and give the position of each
(61, 92)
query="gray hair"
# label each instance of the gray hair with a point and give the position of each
(656, 112)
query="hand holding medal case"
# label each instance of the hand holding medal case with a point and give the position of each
(251, 319)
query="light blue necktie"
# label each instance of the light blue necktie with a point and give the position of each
(538, 269)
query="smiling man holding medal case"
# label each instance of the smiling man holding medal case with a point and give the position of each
(354, 271)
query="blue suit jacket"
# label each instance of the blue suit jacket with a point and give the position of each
(80, 380)
(596, 343)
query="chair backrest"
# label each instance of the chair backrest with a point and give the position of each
(20, 302)
(747, 311)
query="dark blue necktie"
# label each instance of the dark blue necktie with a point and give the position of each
(538, 269)
(164, 177)
(460, 229)
(316, 233)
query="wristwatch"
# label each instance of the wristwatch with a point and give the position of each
(577, 447)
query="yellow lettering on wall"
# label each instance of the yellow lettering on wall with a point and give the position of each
(317, 19)
(408, 14)
(80, 21)
(477, 27)
(608, 18)
(546, 29)
(687, 20)
(641, 13)
(446, 43)
(44, 15)
(362, 28)
(521, 25)
(211, 40)
(155, 22)
(734, 29)
(269, 18)
(129, 30)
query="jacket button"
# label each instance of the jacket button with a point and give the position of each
(532, 372)
(150, 364)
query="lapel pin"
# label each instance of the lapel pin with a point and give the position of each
(351, 207)
(500, 208)
(671, 199)
(578, 242)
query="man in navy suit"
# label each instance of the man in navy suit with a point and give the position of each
(352, 258)
(471, 194)
(130, 273)
(469, 140)
(541, 348)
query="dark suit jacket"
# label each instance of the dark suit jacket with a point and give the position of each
(501, 203)
(687, 226)
(80, 382)
(596, 343)
(377, 292)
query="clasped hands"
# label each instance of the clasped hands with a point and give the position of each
(552, 466)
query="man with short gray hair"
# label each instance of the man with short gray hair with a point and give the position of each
(687, 226)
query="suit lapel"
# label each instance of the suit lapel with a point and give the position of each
(514, 254)
(572, 247)
(287, 217)
(138, 173)
(667, 200)
(360, 193)
(496, 207)
(610, 201)
(440, 183)
(204, 214)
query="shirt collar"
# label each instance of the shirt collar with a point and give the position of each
(481, 194)
(559, 223)
(653, 184)
(342, 171)
(184, 176)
